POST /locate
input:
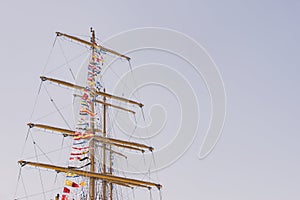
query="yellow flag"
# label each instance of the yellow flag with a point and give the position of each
(82, 184)
(68, 183)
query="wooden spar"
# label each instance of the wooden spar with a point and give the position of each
(66, 132)
(121, 145)
(60, 82)
(114, 106)
(112, 151)
(116, 142)
(94, 45)
(119, 98)
(122, 142)
(107, 177)
(110, 105)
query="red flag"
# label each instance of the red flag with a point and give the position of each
(75, 185)
(66, 190)
(85, 96)
(64, 197)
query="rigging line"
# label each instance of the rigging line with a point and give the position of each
(154, 162)
(67, 61)
(160, 194)
(74, 42)
(73, 76)
(23, 148)
(132, 189)
(18, 181)
(135, 128)
(40, 174)
(43, 153)
(55, 179)
(130, 66)
(122, 81)
(134, 80)
(57, 109)
(142, 109)
(79, 35)
(55, 150)
(153, 158)
(146, 127)
(151, 197)
(70, 60)
(51, 113)
(48, 58)
(36, 194)
(24, 188)
(99, 41)
(35, 101)
(61, 148)
(110, 121)
(144, 159)
(147, 174)
(112, 128)
(143, 114)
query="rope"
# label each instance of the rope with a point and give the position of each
(133, 194)
(18, 181)
(48, 58)
(154, 162)
(70, 60)
(130, 66)
(24, 188)
(75, 42)
(160, 194)
(67, 61)
(133, 78)
(40, 175)
(73, 76)
(35, 101)
(51, 113)
(61, 148)
(23, 148)
(43, 153)
(122, 81)
(151, 197)
(53, 151)
(36, 194)
(57, 109)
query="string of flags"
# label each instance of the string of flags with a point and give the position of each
(80, 149)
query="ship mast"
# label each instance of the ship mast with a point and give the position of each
(106, 174)
(92, 122)
(104, 183)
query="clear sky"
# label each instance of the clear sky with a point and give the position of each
(255, 45)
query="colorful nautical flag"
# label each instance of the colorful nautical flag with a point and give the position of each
(71, 184)
(66, 190)
(82, 184)
(71, 175)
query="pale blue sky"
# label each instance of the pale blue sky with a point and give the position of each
(255, 44)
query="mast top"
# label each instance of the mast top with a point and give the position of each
(93, 43)
(93, 36)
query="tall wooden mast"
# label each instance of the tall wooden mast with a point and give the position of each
(92, 122)
(104, 183)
